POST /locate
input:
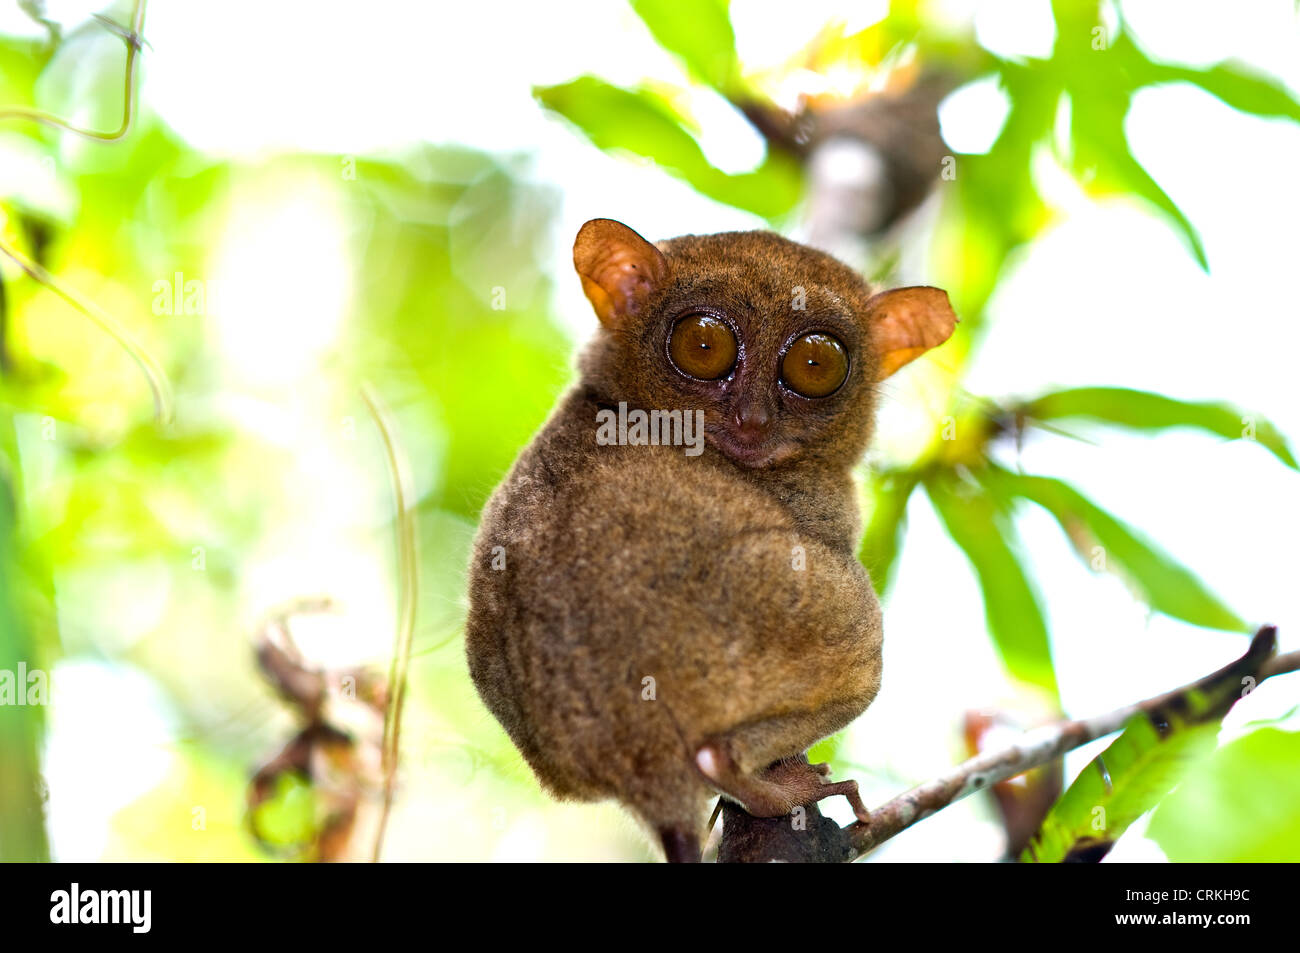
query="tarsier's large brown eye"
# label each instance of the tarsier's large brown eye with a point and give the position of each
(702, 346)
(815, 365)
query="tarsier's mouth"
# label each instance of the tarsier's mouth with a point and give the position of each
(749, 453)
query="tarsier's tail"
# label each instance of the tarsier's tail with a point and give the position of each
(680, 846)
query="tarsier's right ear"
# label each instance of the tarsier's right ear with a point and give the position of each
(907, 322)
(619, 269)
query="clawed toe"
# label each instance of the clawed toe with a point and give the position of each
(778, 788)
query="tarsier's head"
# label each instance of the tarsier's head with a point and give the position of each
(780, 345)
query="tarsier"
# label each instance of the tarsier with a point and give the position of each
(661, 620)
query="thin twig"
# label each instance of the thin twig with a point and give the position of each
(134, 40)
(408, 593)
(158, 384)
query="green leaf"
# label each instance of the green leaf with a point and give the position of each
(1143, 764)
(880, 544)
(1237, 85)
(699, 34)
(1101, 150)
(1165, 584)
(1011, 608)
(1101, 83)
(1141, 410)
(642, 123)
(1241, 805)
(1116, 788)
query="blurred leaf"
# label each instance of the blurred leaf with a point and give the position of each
(288, 818)
(880, 544)
(1101, 154)
(827, 751)
(1142, 410)
(34, 9)
(1279, 721)
(1167, 586)
(22, 807)
(427, 242)
(1022, 801)
(21, 62)
(1101, 98)
(1241, 806)
(1101, 95)
(1075, 17)
(997, 207)
(1241, 89)
(1237, 84)
(642, 123)
(1144, 763)
(699, 34)
(191, 816)
(517, 394)
(1011, 608)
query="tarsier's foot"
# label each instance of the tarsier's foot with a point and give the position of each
(850, 791)
(825, 788)
(778, 788)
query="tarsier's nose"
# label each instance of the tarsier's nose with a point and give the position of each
(751, 420)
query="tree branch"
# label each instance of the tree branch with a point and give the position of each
(764, 839)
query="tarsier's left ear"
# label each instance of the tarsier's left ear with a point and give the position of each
(619, 269)
(907, 322)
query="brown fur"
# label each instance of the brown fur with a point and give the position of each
(628, 562)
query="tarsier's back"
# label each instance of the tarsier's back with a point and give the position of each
(665, 602)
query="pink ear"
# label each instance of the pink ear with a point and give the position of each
(619, 269)
(907, 322)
